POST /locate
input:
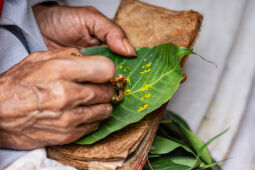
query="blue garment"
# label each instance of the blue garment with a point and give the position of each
(19, 36)
(19, 32)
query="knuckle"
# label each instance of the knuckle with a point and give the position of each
(75, 52)
(110, 91)
(35, 56)
(91, 9)
(72, 49)
(90, 128)
(67, 138)
(91, 94)
(61, 94)
(66, 124)
(50, 64)
(53, 68)
(95, 127)
(108, 108)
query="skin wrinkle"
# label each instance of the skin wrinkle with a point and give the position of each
(34, 88)
(56, 19)
(48, 114)
(19, 124)
(54, 129)
(13, 95)
(5, 98)
(25, 86)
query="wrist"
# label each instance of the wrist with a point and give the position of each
(38, 8)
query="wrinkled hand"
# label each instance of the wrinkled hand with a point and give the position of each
(80, 27)
(54, 97)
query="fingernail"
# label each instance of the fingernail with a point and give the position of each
(130, 49)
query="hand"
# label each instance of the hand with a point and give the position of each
(44, 103)
(80, 27)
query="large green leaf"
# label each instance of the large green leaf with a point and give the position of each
(153, 77)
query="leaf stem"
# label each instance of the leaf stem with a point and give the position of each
(166, 121)
(149, 163)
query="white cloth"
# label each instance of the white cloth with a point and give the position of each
(37, 160)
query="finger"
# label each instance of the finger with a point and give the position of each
(86, 40)
(89, 94)
(115, 38)
(45, 137)
(90, 41)
(80, 131)
(107, 31)
(63, 94)
(51, 45)
(60, 53)
(93, 113)
(96, 69)
(46, 55)
(76, 117)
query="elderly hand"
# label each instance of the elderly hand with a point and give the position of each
(54, 97)
(80, 27)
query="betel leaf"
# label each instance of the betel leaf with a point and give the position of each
(163, 145)
(153, 77)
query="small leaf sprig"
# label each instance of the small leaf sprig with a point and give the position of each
(177, 147)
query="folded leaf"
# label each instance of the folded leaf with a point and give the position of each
(153, 77)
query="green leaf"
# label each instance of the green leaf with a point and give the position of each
(165, 132)
(163, 145)
(214, 164)
(200, 151)
(165, 164)
(195, 142)
(162, 132)
(178, 119)
(197, 163)
(183, 160)
(153, 78)
(211, 140)
(153, 156)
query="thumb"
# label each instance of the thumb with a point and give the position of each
(107, 31)
(118, 43)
